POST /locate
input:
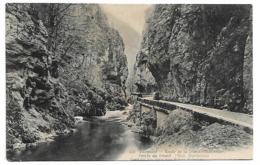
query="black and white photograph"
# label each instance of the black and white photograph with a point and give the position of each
(106, 82)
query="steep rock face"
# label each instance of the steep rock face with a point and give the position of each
(196, 53)
(247, 74)
(36, 103)
(96, 56)
(58, 69)
(89, 56)
(142, 79)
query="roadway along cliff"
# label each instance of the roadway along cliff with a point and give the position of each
(201, 54)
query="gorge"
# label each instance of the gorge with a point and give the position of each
(201, 54)
(64, 61)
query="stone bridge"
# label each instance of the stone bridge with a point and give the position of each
(163, 108)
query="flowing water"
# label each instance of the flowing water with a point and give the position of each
(97, 138)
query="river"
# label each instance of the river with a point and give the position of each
(96, 138)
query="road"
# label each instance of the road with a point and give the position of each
(240, 119)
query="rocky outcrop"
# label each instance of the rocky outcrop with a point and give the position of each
(247, 74)
(95, 58)
(196, 54)
(142, 79)
(90, 56)
(36, 102)
(145, 123)
(59, 65)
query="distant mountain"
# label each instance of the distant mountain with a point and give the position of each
(131, 38)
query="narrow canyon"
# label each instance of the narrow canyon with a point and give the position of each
(78, 78)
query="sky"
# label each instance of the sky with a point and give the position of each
(134, 15)
(129, 21)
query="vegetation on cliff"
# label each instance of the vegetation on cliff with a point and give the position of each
(196, 54)
(62, 60)
(201, 54)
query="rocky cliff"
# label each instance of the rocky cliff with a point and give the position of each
(36, 104)
(95, 58)
(201, 54)
(90, 57)
(142, 78)
(59, 65)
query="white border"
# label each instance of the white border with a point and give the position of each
(256, 70)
